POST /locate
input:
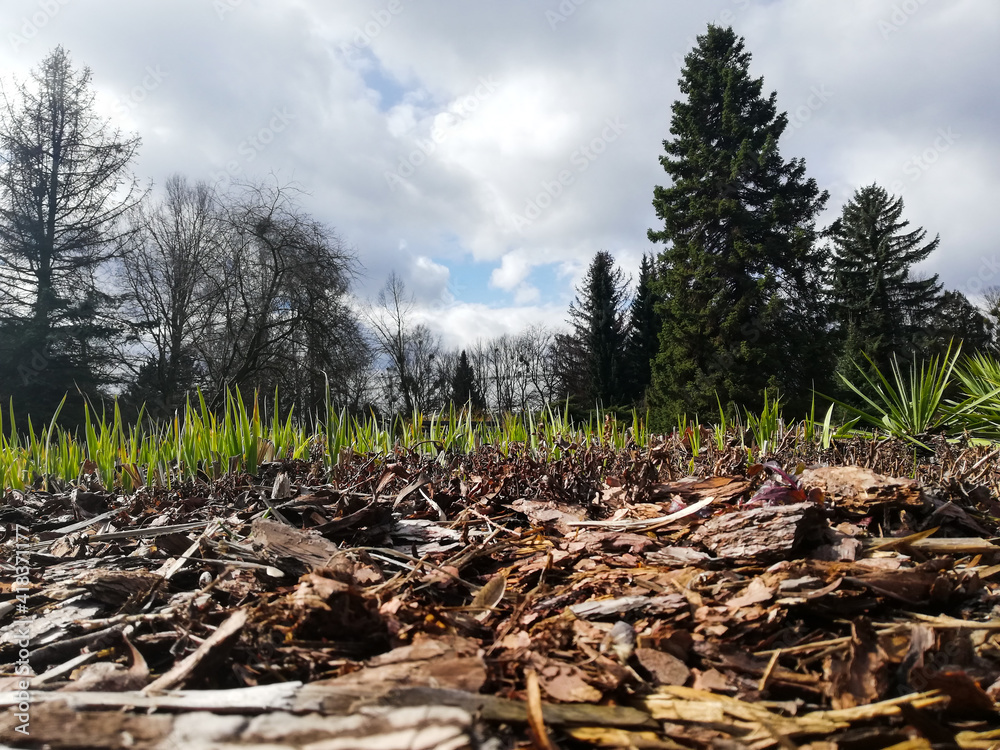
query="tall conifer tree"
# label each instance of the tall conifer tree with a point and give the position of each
(957, 319)
(464, 390)
(643, 331)
(741, 272)
(880, 307)
(65, 186)
(599, 329)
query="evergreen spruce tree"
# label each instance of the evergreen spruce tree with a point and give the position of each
(599, 329)
(643, 332)
(571, 370)
(956, 319)
(880, 308)
(463, 385)
(64, 189)
(742, 272)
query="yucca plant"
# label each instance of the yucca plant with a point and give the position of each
(980, 379)
(913, 406)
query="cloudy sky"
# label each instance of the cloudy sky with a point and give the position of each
(485, 150)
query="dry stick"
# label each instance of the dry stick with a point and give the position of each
(173, 567)
(148, 531)
(984, 459)
(459, 560)
(386, 584)
(94, 640)
(767, 671)
(111, 536)
(812, 645)
(808, 661)
(649, 523)
(881, 590)
(95, 521)
(221, 638)
(168, 614)
(224, 562)
(58, 671)
(944, 621)
(330, 700)
(417, 563)
(780, 738)
(492, 522)
(536, 720)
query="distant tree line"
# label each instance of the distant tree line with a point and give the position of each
(107, 289)
(508, 373)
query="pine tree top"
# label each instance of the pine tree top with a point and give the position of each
(732, 195)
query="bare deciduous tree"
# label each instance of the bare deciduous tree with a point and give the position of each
(163, 270)
(244, 289)
(515, 373)
(411, 350)
(277, 289)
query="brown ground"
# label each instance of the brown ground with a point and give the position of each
(488, 600)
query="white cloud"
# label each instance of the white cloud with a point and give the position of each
(428, 280)
(401, 119)
(514, 269)
(463, 323)
(526, 294)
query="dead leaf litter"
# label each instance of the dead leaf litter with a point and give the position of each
(611, 598)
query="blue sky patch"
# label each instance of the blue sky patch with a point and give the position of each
(470, 282)
(389, 90)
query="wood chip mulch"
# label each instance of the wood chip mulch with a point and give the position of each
(643, 598)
